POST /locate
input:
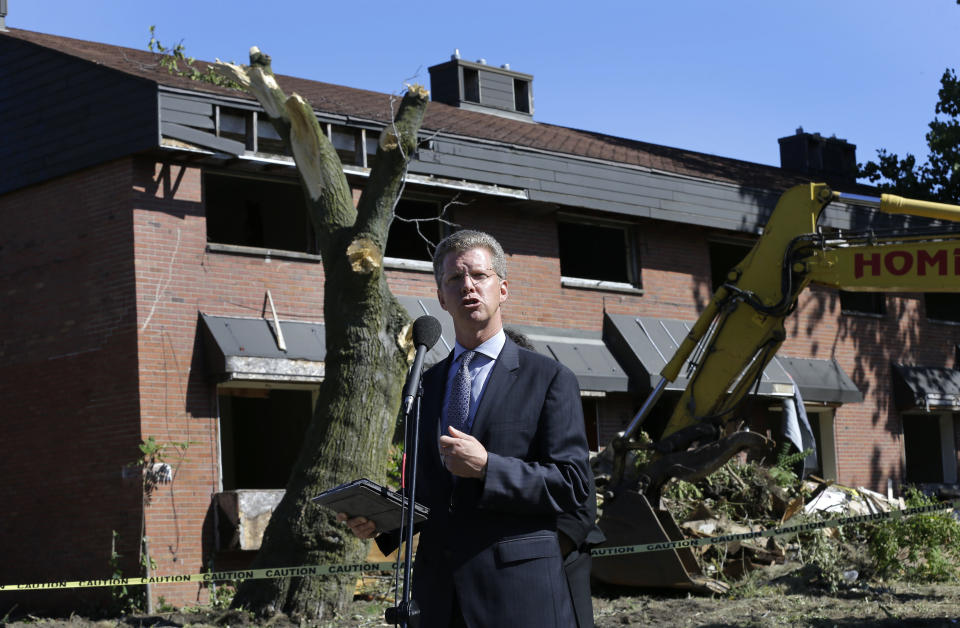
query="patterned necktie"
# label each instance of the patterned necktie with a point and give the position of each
(458, 409)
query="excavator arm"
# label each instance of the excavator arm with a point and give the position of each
(731, 343)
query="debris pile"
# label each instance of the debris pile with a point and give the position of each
(748, 497)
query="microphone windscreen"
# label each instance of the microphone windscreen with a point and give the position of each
(426, 331)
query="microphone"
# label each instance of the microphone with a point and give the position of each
(426, 332)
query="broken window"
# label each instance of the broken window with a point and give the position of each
(257, 212)
(724, 256)
(261, 431)
(863, 303)
(415, 230)
(943, 306)
(597, 251)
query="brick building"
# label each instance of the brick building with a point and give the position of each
(159, 279)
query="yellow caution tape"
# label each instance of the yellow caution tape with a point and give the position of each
(366, 568)
(213, 577)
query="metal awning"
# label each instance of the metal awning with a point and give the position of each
(419, 306)
(926, 388)
(822, 381)
(581, 351)
(644, 345)
(247, 349)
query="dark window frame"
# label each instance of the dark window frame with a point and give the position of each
(395, 251)
(863, 303)
(246, 461)
(632, 276)
(731, 248)
(943, 312)
(224, 233)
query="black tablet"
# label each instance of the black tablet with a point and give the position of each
(363, 498)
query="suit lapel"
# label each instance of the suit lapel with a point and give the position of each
(430, 415)
(502, 377)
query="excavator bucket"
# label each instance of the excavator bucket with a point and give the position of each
(628, 519)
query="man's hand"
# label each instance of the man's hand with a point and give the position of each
(360, 526)
(463, 455)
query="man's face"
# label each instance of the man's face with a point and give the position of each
(472, 292)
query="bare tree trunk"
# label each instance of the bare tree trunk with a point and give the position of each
(368, 348)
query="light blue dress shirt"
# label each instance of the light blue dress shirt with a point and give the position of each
(480, 368)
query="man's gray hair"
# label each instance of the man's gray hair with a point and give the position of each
(465, 240)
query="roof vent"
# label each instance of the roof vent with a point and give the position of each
(481, 87)
(818, 156)
(3, 15)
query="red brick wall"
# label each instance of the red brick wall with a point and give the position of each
(116, 267)
(68, 381)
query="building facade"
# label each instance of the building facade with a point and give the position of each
(161, 281)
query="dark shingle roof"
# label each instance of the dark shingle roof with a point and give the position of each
(365, 104)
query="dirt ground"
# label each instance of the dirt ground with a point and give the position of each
(763, 600)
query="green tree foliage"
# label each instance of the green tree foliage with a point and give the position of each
(937, 179)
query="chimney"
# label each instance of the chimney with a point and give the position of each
(482, 87)
(818, 156)
(3, 15)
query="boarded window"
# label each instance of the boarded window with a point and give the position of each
(597, 251)
(258, 213)
(261, 431)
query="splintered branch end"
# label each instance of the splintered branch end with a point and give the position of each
(419, 91)
(364, 256)
(405, 341)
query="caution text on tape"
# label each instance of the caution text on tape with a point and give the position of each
(367, 568)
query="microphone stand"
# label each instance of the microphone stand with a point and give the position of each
(407, 613)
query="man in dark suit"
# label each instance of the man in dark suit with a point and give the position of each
(502, 455)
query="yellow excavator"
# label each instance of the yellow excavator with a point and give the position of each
(729, 346)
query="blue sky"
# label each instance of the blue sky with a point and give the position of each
(726, 78)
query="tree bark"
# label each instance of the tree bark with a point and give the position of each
(368, 348)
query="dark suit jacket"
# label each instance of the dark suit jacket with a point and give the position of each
(494, 540)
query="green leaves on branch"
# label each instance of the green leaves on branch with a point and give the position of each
(938, 179)
(173, 58)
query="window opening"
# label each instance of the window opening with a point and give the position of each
(258, 213)
(261, 431)
(521, 95)
(594, 251)
(942, 306)
(471, 85)
(724, 256)
(863, 303)
(922, 448)
(404, 241)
